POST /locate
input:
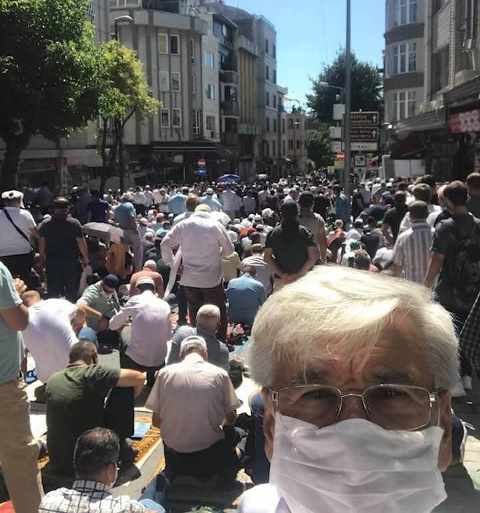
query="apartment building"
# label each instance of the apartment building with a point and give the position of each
(404, 58)
(445, 130)
(296, 148)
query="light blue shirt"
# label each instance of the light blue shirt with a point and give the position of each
(213, 203)
(176, 204)
(10, 340)
(125, 215)
(245, 296)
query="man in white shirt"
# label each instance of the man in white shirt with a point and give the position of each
(151, 329)
(202, 241)
(210, 200)
(263, 270)
(49, 334)
(422, 192)
(231, 202)
(192, 402)
(18, 229)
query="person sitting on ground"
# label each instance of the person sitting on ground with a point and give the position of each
(76, 402)
(151, 328)
(263, 271)
(95, 460)
(194, 404)
(208, 321)
(149, 271)
(245, 296)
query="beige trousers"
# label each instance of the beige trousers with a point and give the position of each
(18, 450)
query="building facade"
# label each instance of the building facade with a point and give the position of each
(445, 130)
(296, 147)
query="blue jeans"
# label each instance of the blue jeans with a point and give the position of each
(152, 505)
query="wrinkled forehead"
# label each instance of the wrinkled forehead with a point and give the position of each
(398, 356)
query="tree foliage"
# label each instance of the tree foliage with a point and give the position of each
(366, 87)
(49, 82)
(125, 93)
(318, 147)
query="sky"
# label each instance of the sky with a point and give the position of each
(310, 33)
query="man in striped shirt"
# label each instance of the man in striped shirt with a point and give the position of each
(412, 250)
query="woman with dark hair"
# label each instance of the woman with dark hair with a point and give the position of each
(290, 249)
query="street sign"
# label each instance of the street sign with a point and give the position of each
(338, 111)
(202, 163)
(336, 146)
(360, 160)
(364, 146)
(365, 118)
(335, 132)
(364, 134)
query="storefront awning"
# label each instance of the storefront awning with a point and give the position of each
(434, 120)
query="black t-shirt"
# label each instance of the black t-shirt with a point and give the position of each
(377, 212)
(446, 240)
(393, 217)
(372, 242)
(75, 403)
(61, 237)
(321, 205)
(290, 249)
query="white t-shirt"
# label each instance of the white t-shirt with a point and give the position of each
(11, 242)
(49, 335)
(262, 499)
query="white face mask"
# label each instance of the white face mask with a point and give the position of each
(355, 466)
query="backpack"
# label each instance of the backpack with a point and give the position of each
(463, 268)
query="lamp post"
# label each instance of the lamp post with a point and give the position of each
(120, 19)
(348, 102)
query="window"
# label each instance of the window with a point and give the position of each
(192, 50)
(406, 11)
(194, 83)
(211, 92)
(275, 126)
(267, 124)
(290, 124)
(267, 99)
(175, 81)
(400, 105)
(211, 123)
(274, 148)
(274, 76)
(440, 69)
(163, 81)
(298, 144)
(176, 118)
(164, 118)
(267, 73)
(284, 148)
(283, 126)
(290, 145)
(210, 60)
(175, 45)
(403, 58)
(267, 46)
(266, 148)
(412, 57)
(197, 115)
(411, 103)
(162, 44)
(274, 51)
(274, 102)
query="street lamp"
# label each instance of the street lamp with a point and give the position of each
(326, 85)
(120, 19)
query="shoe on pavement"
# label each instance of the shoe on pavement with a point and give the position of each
(458, 390)
(467, 382)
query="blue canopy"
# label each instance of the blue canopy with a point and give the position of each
(229, 179)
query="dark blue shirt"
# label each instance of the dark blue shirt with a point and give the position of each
(98, 211)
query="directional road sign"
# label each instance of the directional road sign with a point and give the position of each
(365, 119)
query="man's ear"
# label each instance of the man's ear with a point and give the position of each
(268, 422)
(445, 414)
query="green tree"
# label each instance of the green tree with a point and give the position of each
(318, 147)
(48, 73)
(125, 93)
(366, 88)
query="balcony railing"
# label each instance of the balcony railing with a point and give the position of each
(230, 108)
(229, 77)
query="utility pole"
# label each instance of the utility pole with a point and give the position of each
(348, 104)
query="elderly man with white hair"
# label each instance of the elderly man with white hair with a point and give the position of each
(357, 403)
(193, 402)
(149, 271)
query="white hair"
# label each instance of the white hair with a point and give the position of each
(349, 309)
(207, 314)
(150, 264)
(192, 343)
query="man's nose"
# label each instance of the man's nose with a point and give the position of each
(352, 408)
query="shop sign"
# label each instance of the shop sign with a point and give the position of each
(464, 122)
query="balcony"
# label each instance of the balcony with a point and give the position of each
(249, 46)
(230, 108)
(229, 77)
(230, 139)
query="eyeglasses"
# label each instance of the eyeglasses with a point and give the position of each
(393, 407)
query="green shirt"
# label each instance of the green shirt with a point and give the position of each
(75, 403)
(10, 340)
(95, 297)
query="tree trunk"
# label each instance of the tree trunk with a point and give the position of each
(121, 162)
(13, 150)
(103, 173)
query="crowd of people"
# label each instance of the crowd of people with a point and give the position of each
(354, 305)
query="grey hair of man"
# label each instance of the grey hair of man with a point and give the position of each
(344, 310)
(208, 318)
(95, 449)
(418, 211)
(193, 344)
